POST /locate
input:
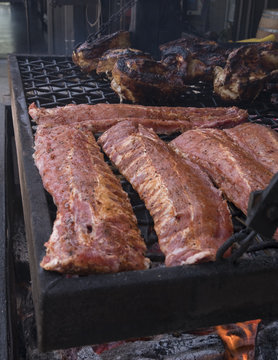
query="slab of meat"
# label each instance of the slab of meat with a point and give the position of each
(162, 119)
(232, 169)
(190, 217)
(87, 55)
(260, 141)
(95, 229)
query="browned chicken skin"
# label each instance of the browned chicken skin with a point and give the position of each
(242, 78)
(246, 71)
(110, 57)
(194, 58)
(237, 74)
(144, 81)
(87, 55)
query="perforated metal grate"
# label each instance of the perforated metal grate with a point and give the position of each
(49, 82)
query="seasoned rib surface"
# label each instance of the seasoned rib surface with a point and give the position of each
(259, 141)
(233, 170)
(190, 217)
(95, 229)
(103, 116)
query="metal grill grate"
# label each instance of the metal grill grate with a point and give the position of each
(56, 81)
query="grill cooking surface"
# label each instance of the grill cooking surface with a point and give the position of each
(51, 82)
(57, 81)
(109, 307)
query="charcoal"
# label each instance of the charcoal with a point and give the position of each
(266, 341)
(36, 355)
(212, 354)
(20, 246)
(87, 353)
(169, 347)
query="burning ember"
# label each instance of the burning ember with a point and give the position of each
(239, 339)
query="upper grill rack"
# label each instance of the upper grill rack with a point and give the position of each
(56, 81)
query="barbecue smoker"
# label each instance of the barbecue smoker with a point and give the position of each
(73, 311)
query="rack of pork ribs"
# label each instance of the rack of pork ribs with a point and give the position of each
(236, 73)
(185, 184)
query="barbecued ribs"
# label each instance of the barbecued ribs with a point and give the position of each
(190, 217)
(163, 120)
(260, 141)
(95, 229)
(231, 168)
(87, 55)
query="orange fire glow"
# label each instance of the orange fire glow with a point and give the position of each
(239, 339)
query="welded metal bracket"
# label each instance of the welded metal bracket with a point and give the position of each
(262, 220)
(263, 209)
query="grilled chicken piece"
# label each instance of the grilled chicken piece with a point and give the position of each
(87, 55)
(95, 229)
(268, 52)
(163, 120)
(208, 51)
(243, 77)
(180, 62)
(190, 217)
(110, 57)
(145, 81)
(230, 167)
(193, 58)
(259, 141)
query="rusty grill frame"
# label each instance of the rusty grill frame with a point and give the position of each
(74, 311)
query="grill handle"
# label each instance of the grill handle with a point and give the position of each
(262, 219)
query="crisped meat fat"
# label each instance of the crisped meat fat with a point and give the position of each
(95, 229)
(190, 217)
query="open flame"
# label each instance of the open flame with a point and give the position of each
(239, 339)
